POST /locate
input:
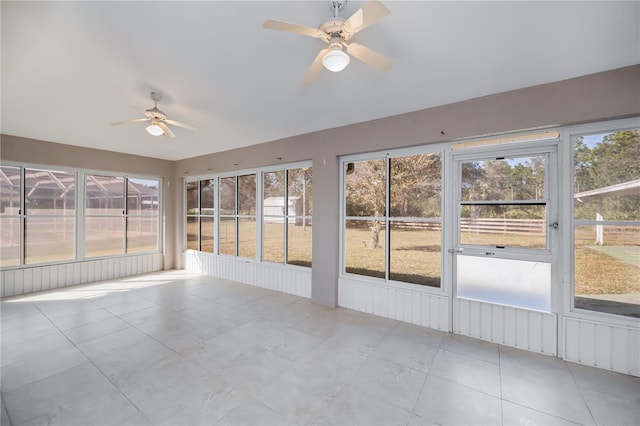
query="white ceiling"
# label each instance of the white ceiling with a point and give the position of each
(69, 69)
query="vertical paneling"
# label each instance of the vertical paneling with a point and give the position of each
(601, 344)
(39, 278)
(416, 307)
(603, 338)
(260, 274)
(27, 281)
(510, 326)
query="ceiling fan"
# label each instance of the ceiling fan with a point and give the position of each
(336, 32)
(158, 119)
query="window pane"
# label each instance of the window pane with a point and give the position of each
(192, 197)
(606, 187)
(104, 195)
(299, 242)
(206, 234)
(416, 183)
(607, 276)
(227, 236)
(49, 239)
(607, 169)
(9, 190)
(143, 197)
(9, 219)
(365, 248)
(207, 197)
(300, 187)
(366, 186)
(228, 195)
(415, 253)
(103, 236)
(502, 225)
(273, 184)
(247, 195)
(142, 234)
(247, 238)
(273, 239)
(518, 283)
(516, 178)
(9, 241)
(49, 192)
(192, 233)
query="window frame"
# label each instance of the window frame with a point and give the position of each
(436, 148)
(568, 151)
(80, 213)
(259, 216)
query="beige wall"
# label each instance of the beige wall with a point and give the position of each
(602, 96)
(29, 151)
(608, 95)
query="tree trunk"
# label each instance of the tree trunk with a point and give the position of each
(375, 234)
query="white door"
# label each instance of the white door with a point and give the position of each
(504, 244)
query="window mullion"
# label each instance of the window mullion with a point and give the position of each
(23, 221)
(387, 230)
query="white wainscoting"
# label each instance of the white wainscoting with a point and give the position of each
(39, 278)
(520, 328)
(285, 279)
(599, 344)
(403, 304)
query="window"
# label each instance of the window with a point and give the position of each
(393, 219)
(10, 228)
(207, 215)
(121, 215)
(142, 215)
(246, 220)
(193, 207)
(606, 202)
(40, 222)
(104, 215)
(504, 202)
(282, 218)
(227, 231)
(286, 211)
(200, 212)
(50, 215)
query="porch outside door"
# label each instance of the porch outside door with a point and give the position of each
(504, 244)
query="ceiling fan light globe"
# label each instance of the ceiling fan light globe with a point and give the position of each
(155, 130)
(335, 60)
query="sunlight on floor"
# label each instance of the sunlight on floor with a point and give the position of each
(94, 290)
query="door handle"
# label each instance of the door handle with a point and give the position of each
(455, 250)
(554, 225)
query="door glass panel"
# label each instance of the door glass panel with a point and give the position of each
(516, 178)
(504, 226)
(504, 281)
(504, 202)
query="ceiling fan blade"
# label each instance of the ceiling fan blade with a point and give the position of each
(180, 124)
(370, 57)
(370, 13)
(117, 123)
(270, 24)
(314, 69)
(167, 131)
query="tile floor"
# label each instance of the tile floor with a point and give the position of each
(176, 349)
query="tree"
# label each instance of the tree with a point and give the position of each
(414, 182)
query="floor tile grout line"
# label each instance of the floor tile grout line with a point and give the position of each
(4, 406)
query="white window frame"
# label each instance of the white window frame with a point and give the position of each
(568, 262)
(80, 189)
(441, 148)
